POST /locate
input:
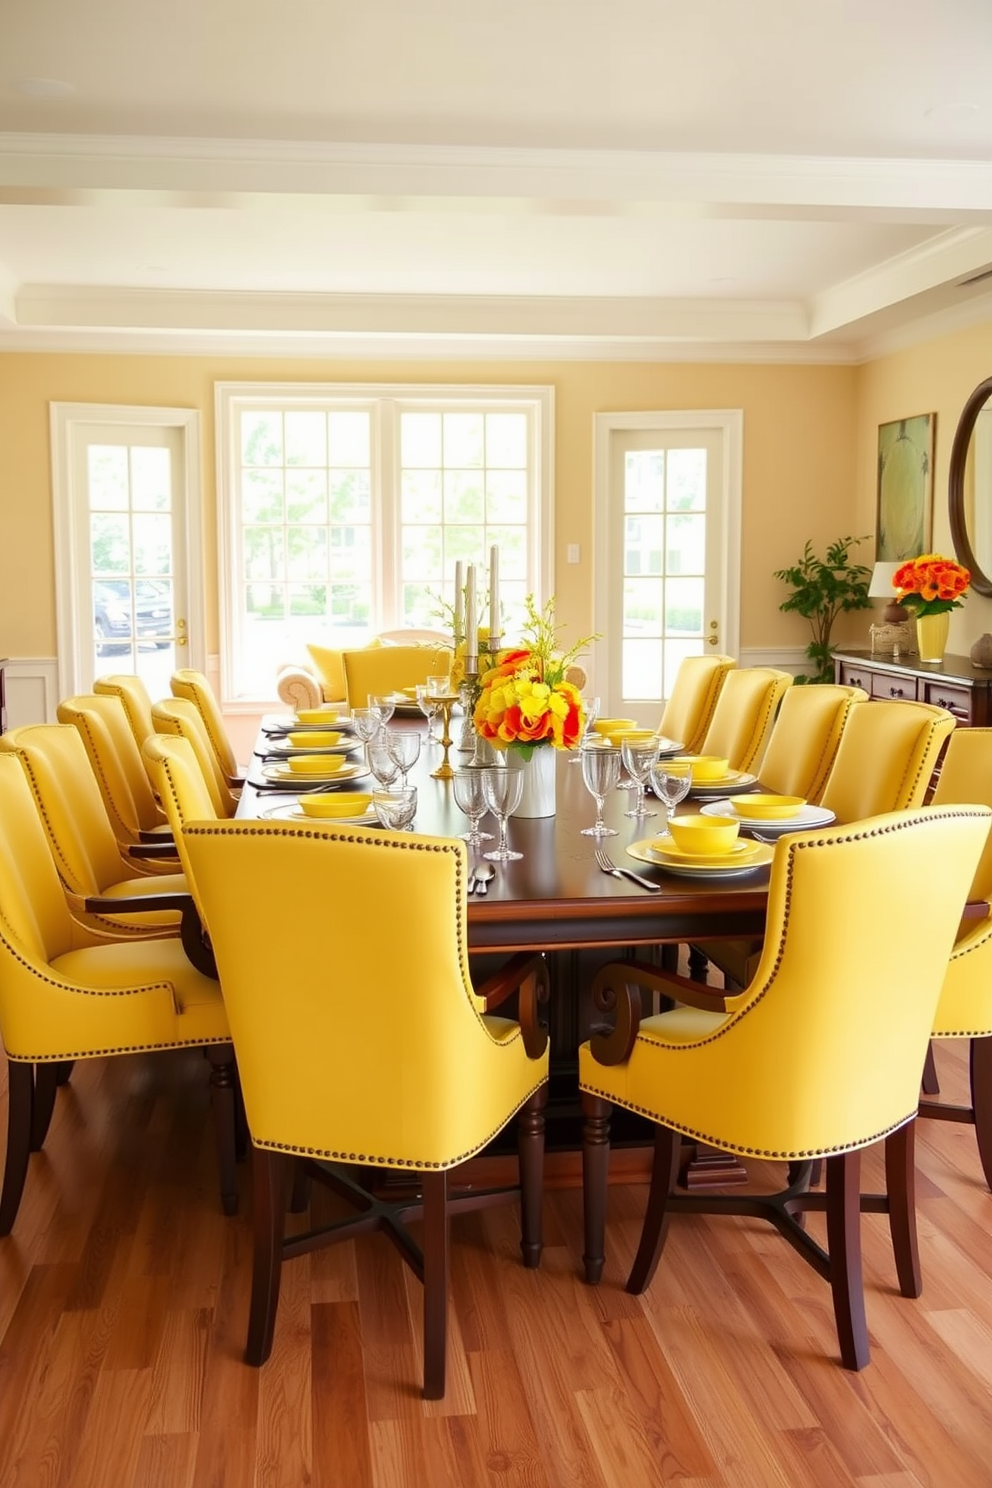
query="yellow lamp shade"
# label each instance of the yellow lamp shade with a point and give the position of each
(316, 764)
(769, 808)
(705, 835)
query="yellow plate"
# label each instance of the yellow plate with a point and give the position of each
(283, 773)
(742, 852)
(769, 808)
(736, 780)
(689, 865)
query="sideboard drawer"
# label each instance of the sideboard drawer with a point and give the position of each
(884, 685)
(854, 676)
(957, 700)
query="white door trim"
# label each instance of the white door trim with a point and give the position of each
(729, 423)
(64, 419)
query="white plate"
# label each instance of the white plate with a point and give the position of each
(283, 775)
(809, 816)
(734, 780)
(667, 747)
(645, 853)
(290, 811)
(279, 726)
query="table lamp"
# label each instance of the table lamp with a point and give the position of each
(895, 634)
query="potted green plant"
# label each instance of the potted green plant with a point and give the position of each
(823, 588)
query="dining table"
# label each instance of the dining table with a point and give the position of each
(555, 898)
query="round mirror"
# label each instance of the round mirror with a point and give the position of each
(970, 488)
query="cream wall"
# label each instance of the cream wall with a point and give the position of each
(935, 377)
(800, 456)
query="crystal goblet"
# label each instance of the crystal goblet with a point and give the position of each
(600, 773)
(471, 798)
(502, 786)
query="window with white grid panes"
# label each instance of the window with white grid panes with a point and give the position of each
(343, 516)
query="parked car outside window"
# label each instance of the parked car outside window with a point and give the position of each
(112, 614)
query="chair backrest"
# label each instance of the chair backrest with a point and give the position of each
(744, 714)
(116, 760)
(134, 696)
(183, 791)
(885, 758)
(34, 918)
(384, 669)
(180, 716)
(194, 686)
(66, 794)
(689, 710)
(805, 738)
(340, 1052)
(965, 1007)
(824, 1050)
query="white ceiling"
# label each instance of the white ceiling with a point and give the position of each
(782, 179)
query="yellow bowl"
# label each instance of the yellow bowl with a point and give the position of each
(316, 715)
(706, 835)
(343, 803)
(614, 729)
(769, 808)
(313, 740)
(316, 764)
(703, 766)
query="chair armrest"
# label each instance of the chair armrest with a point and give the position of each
(526, 974)
(156, 849)
(156, 834)
(616, 990)
(192, 934)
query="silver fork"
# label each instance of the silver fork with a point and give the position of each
(608, 866)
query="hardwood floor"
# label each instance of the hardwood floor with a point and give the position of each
(124, 1300)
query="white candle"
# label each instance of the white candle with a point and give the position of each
(459, 602)
(494, 592)
(471, 622)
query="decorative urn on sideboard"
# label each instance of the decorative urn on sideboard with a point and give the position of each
(981, 652)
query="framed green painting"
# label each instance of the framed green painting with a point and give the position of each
(904, 524)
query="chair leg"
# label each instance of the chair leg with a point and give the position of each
(595, 1173)
(981, 1100)
(530, 1148)
(664, 1176)
(65, 1067)
(931, 1084)
(844, 1246)
(435, 1195)
(46, 1083)
(268, 1204)
(900, 1185)
(222, 1100)
(20, 1107)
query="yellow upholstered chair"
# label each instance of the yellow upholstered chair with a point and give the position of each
(805, 738)
(385, 669)
(134, 812)
(175, 770)
(63, 998)
(820, 1056)
(884, 762)
(743, 717)
(194, 686)
(360, 1061)
(86, 852)
(689, 709)
(134, 698)
(181, 717)
(965, 1007)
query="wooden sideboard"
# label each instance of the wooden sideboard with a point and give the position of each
(954, 683)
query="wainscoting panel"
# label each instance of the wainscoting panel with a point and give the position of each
(31, 686)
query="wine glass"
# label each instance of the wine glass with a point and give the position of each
(471, 798)
(367, 724)
(404, 746)
(386, 705)
(670, 786)
(427, 703)
(592, 706)
(502, 786)
(396, 807)
(381, 762)
(600, 773)
(639, 755)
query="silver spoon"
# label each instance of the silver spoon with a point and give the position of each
(483, 874)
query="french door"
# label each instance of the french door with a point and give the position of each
(126, 490)
(667, 550)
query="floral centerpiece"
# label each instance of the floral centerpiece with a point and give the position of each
(931, 586)
(525, 699)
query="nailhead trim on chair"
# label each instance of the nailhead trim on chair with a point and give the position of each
(82, 724)
(29, 771)
(193, 1042)
(385, 1161)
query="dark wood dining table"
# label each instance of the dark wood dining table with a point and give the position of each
(556, 899)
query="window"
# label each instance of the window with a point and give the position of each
(344, 510)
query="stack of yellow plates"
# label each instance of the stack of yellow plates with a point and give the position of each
(663, 853)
